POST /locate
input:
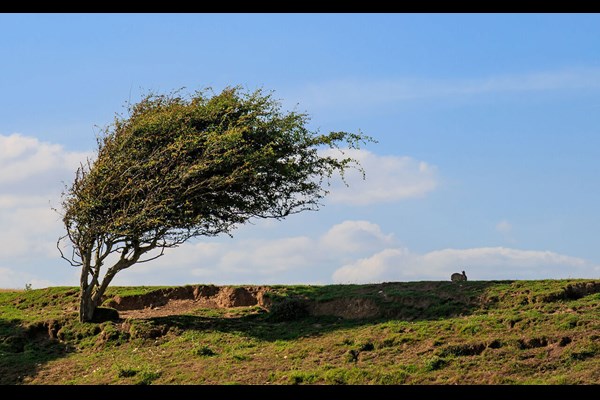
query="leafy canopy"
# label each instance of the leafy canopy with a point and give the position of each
(179, 166)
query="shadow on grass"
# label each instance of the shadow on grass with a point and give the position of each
(258, 326)
(24, 350)
(396, 301)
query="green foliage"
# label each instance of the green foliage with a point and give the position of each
(177, 167)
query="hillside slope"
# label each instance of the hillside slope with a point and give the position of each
(480, 332)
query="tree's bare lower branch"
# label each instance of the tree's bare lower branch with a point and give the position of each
(72, 262)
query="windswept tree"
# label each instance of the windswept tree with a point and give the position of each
(178, 167)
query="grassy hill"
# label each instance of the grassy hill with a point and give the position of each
(479, 332)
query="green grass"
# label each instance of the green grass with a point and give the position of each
(124, 291)
(482, 332)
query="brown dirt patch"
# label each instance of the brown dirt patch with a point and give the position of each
(185, 299)
(348, 308)
(173, 307)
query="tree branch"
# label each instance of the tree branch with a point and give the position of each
(73, 263)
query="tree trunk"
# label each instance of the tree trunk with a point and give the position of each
(90, 298)
(91, 292)
(87, 306)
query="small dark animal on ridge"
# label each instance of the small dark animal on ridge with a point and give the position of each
(456, 277)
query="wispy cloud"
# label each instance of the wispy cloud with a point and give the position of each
(504, 226)
(388, 179)
(484, 263)
(505, 229)
(361, 93)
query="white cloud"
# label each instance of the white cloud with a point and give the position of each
(25, 161)
(349, 252)
(31, 180)
(227, 261)
(355, 236)
(269, 256)
(28, 232)
(504, 227)
(360, 94)
(388, 179)
(32, 173)
(11, 279)
(372, 269)
(485, 263)
(8, 201)
(37, 170)
(279, 260)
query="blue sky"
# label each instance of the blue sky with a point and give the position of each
(488, 129)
